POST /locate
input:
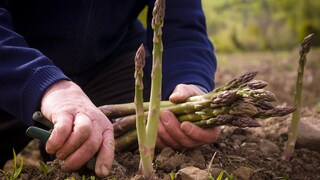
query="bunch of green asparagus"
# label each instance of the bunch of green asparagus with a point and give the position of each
(239, 102)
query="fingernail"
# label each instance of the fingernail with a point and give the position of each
(187, 128)
(104, 170)
(165, 121)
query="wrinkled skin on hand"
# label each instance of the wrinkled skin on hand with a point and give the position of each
(178, 135)
(80, 131)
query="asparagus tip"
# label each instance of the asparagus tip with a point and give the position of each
(305, 45)
(140, 57)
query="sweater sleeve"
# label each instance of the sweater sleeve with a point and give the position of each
(25, 73)
(188, 53)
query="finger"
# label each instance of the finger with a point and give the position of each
(172, 126)
(81, 132)
(60, 133)
(83, 154)
(183, 91)
(106, 153)
(207, 136)
(165, 136)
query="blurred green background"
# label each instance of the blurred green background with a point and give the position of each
(258, 25)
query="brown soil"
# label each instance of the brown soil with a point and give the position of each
(246, 153)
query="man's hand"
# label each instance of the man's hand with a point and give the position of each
(80, 131)
(185, 135)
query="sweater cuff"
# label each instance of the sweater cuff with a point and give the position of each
(202, 88)
(33, 90)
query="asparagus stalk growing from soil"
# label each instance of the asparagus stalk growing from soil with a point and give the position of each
(145, 154)
(156, 75)
(293, 131)
(148, 133)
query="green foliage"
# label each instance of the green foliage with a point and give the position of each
(249, 25)
(70, 178)
(88, 178)
(286, 177)
(4, 174)
(172, 176)
(221, 176)
(15, 170)
(43, 167)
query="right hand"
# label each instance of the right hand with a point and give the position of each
(80, 130)
(185, 135)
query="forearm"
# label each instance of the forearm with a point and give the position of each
(25, 73)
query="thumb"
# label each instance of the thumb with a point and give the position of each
(184, 91)
(178, 94)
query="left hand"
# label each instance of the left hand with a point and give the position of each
(178, 135)
(80, 130)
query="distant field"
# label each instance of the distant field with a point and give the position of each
(279, 69)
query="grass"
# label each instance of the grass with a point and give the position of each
(15, 170)
(221, 176)
(43, 167)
